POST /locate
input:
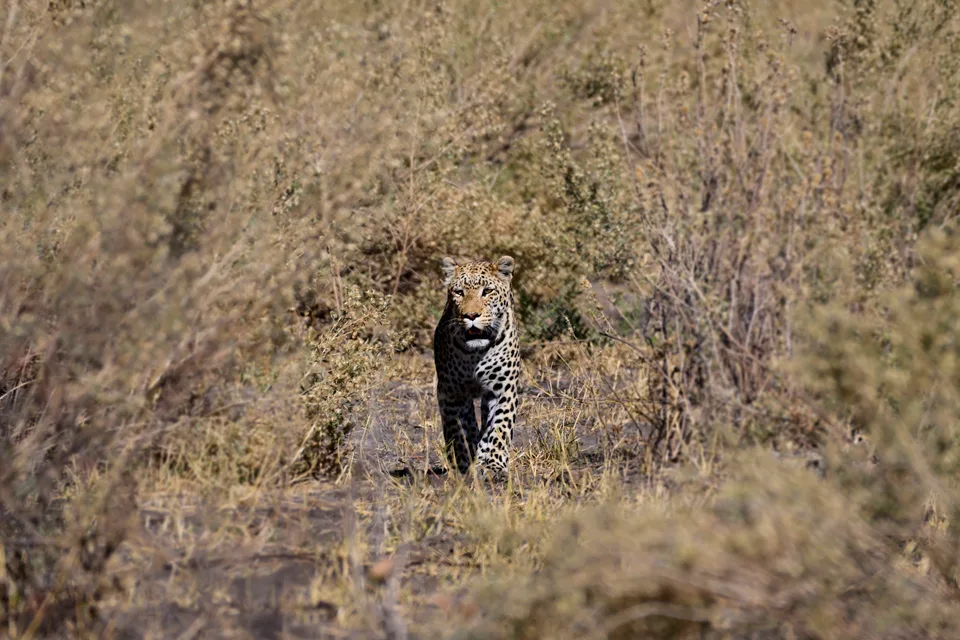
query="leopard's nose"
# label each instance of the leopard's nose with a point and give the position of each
(471, 316)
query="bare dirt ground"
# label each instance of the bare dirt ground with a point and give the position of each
(302, 561)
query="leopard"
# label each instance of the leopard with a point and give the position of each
(476, 351)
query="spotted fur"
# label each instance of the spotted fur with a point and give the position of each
(477, 355)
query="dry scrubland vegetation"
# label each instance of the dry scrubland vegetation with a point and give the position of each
(737, 279)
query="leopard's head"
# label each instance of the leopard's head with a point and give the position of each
(479, 297)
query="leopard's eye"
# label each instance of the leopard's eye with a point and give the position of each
(486, 291)
(458, 292)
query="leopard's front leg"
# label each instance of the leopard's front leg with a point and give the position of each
(460, 432)
(499, 415)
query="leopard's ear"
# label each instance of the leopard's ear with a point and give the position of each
(449, 267)
(505, 267)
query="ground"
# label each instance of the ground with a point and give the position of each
(291, 562)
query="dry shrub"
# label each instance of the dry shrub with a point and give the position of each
(345, 362)
(896, 379)
(131, 292)
(911, 126)
(748, 186)
(778, 552)
(868, 548)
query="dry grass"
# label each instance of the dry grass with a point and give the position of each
(737, 281)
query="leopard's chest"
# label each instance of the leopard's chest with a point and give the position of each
(470, 369)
